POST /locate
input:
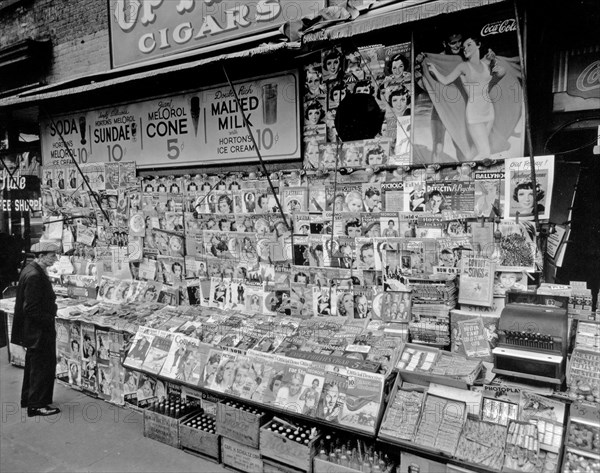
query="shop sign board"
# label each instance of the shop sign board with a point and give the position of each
(577, 80)
(191, 129)
(141, 30)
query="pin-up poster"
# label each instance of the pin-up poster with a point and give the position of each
(468, 90)
(206, 126)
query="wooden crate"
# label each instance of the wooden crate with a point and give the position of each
(163, 428)
(278, 447)
(199, 441)
(272, 466)
(239, 425)
(241, 457)
(323, 466)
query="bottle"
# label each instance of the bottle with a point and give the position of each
(322, 455)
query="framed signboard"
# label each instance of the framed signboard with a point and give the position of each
(142, 30)
(190, 129)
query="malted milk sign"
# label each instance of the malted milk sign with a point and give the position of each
(147, 29)
(191, 129)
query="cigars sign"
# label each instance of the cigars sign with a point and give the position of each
(147, 29)
(191, 129)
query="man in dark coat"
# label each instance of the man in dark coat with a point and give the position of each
(34, 329)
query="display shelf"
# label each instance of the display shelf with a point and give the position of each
(388, 383)
(430, 455)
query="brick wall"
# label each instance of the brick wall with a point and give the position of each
(78, 30)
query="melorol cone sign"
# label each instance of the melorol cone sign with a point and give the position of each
(141, 30)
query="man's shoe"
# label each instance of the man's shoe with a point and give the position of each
(42, 411)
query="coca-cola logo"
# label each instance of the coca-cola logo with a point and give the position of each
(498, 27)
(589, 79)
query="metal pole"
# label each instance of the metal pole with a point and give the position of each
(527, 121)
(62, 138)
(247, 123)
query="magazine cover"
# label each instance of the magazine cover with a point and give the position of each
(333, 397)
(451, 251)
(301, 300)
(343, 302)
(363, 302)
(312, 388)
(139, 347)
(184, 361)
(209, 370)
(104, 380)
(289, 394)
(429, 226)
(245, 377)
(273, 368)
(370, 224)
(489, 193)
(363, 400)
(534, 406)
(74, 372)
(301, 223)
(316, 251)
(322, 301)
(509, 280)
(158, 351)
(450, 195)
(376, 153)
(519, 190)
(392, 194)
(389, 224)
(476, 281)
(146, 389)
(352, 154)
(88, 339)
(224, 375)
(414, 196)
(480, 331)
(418, 256)
(366, 255)
(396, 306)
(517, 248)
(317, 223)
(89, 380)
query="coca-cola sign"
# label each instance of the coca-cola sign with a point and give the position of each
(589, 79)
(498, 27)
(583, 77)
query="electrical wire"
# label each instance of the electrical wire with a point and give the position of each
(565, 125)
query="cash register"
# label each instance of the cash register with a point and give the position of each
(532, 342)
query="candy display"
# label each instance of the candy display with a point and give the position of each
(584, 435)
(482, 443)
(576, 461)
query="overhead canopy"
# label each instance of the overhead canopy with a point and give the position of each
(112, 78)
(393, 15)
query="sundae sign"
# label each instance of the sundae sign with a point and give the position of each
(146, 29)
(202, 127)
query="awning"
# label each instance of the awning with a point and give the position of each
(93, 83)
(393, 15)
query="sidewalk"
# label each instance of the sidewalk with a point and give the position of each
(89, 435)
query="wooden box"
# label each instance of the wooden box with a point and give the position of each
(240, 425)
(323, 466)
(199, 441)
(240, 457)
(272, 466)
(163, 428)
(278, 447)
